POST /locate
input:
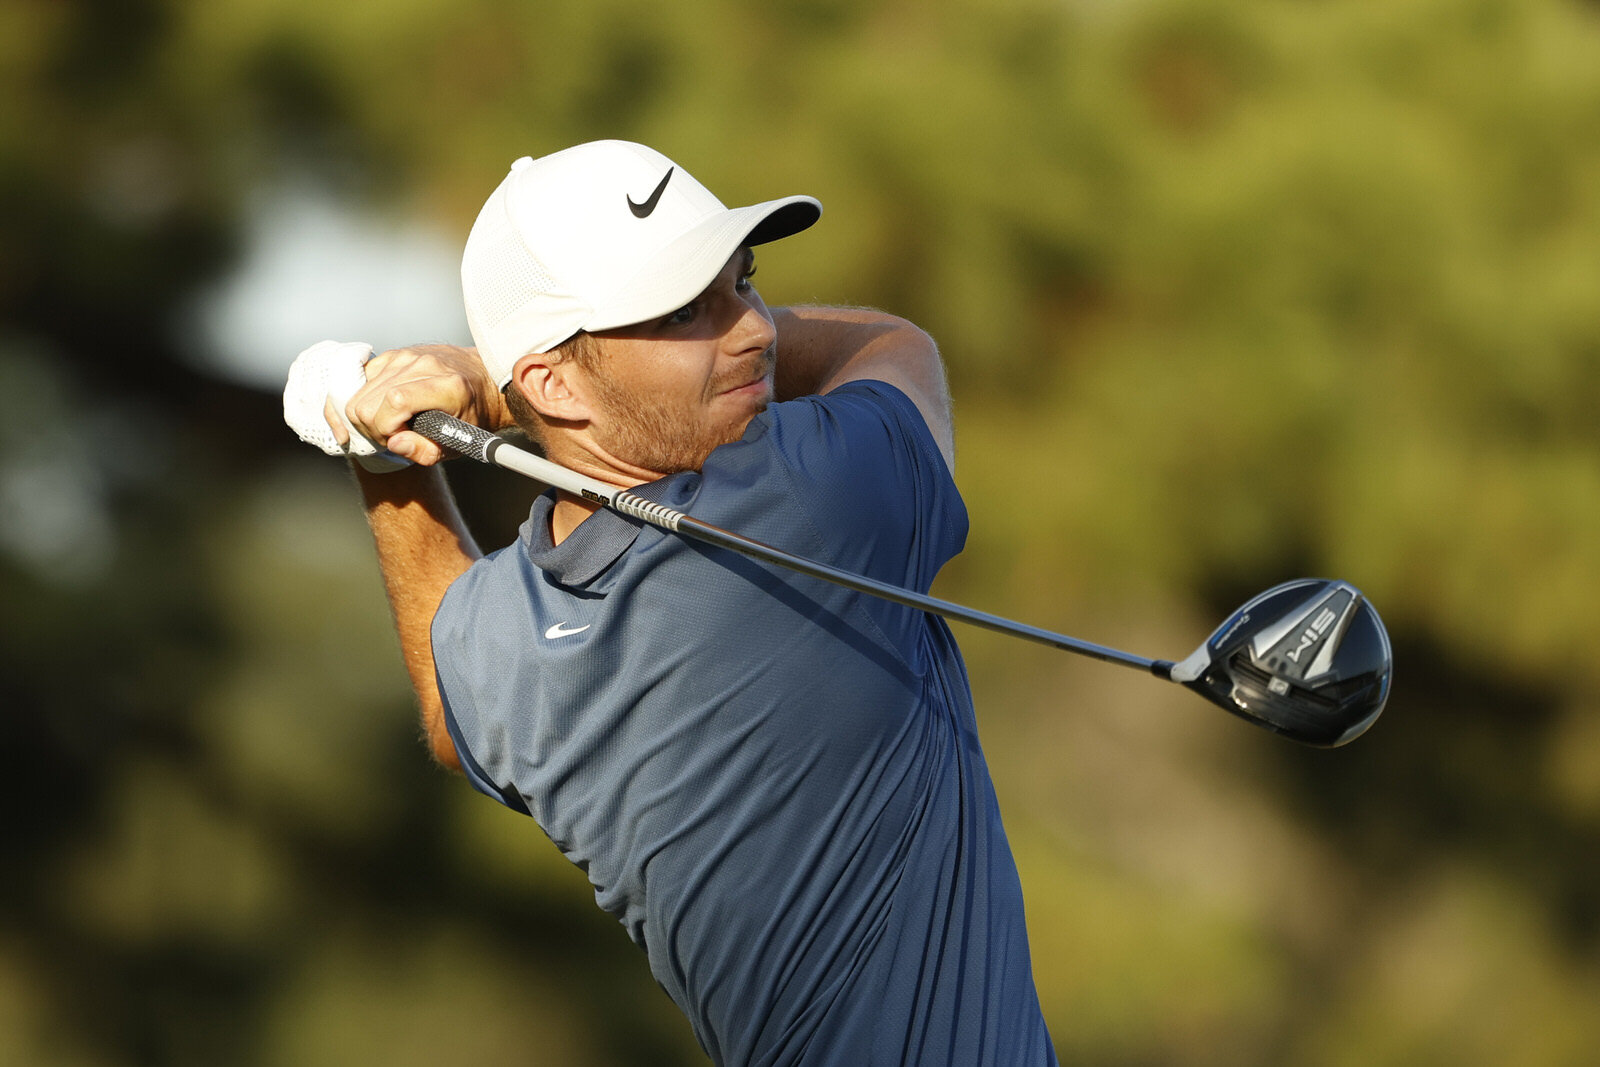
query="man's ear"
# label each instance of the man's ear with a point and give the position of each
(548, 387)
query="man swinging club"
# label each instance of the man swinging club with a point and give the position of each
(773, 783)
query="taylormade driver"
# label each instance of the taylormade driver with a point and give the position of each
(1308, 659)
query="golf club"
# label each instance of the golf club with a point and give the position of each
(1308, 659)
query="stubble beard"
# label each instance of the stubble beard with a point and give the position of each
(659, 438)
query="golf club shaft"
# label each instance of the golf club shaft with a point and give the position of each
(485, 447)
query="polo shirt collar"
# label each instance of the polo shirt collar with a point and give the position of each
(597, 543)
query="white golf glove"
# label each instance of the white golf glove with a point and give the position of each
(332, 370)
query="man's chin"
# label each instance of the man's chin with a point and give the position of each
(734, 433)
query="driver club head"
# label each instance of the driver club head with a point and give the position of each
(1308, 659)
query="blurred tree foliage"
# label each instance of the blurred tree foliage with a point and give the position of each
(1229, 292)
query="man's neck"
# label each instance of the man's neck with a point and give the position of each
(570, 511)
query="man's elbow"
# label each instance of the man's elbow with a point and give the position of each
(440, 745)
(921, 343)
(443, 750)
(886, 330)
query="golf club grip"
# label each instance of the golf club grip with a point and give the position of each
(450, 432)
(477, 443)
(480, 444)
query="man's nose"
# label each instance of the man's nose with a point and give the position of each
(753, 331)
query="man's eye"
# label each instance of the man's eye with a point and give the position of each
(682, 317)
(744, 285)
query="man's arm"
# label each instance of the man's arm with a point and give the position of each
(820, 349)
(423, 544)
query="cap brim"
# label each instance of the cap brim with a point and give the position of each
(684, 268)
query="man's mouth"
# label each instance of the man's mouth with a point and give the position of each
(758, 385)
(747, 382)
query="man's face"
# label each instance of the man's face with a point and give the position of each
(665, 393)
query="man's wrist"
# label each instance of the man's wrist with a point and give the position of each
(403, 486)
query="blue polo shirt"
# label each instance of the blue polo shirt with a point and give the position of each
(773, 783)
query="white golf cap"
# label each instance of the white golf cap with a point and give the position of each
(598, 236)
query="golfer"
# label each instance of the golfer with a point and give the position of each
(773, 783)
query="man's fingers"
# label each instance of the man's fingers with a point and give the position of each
(394, 361)
(386, 406)
(396, 385)
(327, 371)
(416, 448)
(330, 412)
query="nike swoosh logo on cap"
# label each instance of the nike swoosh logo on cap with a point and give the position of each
(642, 211)
(561, 629)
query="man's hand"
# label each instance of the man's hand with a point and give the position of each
(346, 401)
(405, 381)
(322, 380)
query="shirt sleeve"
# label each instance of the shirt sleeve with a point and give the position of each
(468, 618)
(853, 478)
(866, 465)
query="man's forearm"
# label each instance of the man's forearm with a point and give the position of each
(822, 348)
(817, 344)
(423, 545)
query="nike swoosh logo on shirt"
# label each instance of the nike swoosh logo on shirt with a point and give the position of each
(642, 211)
(561, 629)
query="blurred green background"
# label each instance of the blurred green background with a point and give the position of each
(1230, 293)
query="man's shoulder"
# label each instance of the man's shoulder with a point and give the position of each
(860, 391)
(860, 434)
(853, 476)
(858, 416)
